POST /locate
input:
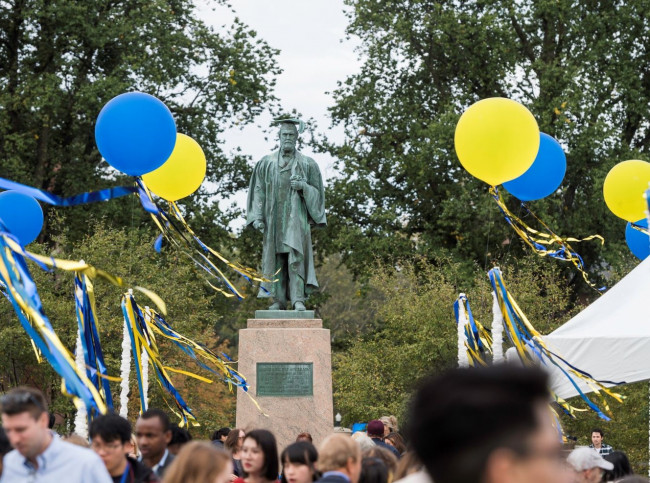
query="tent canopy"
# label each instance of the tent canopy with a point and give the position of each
(610, 339)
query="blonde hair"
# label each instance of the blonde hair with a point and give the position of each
(335, 451)
(77, 439)
(391, 422)
(197, 462)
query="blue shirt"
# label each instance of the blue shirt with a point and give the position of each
(336, 473)
(60, 462)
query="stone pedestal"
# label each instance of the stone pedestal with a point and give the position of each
(291, 354)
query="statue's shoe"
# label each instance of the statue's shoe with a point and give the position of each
(278, 306)
(299, 306)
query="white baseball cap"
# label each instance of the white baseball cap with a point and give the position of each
(585, 458)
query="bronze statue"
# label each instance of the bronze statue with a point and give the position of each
(285, 199)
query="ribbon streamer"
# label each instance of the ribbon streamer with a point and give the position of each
(543, 242)
(178, 233)
(81, 199)
(531, 349)
(477, 342)
(144, 326)
(93, 356)
(21, 291)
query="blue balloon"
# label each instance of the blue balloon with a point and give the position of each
(21, 215)
(544, 176)
(135, 133)
(638, 241)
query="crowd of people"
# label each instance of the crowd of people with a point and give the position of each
(488, 425)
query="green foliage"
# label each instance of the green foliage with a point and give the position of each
(401, 190)
(415, 332)
(190, 311)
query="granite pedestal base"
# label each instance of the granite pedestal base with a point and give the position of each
(293, 359)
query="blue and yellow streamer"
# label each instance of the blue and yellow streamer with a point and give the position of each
(531, 349)
(547, 243)
(478, 340)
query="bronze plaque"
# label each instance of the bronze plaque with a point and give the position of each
(285, 379)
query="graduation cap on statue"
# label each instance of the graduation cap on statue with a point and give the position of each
(300, 125)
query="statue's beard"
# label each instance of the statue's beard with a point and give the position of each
(288, 148)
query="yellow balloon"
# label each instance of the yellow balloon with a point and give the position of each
(497, 140)
(624, 189)
(182, 173)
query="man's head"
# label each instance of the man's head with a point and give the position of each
(597, 437)
(340, 453)
(153, 434)
(588, 465)
(109, 434)
(180, 437)
(288, 136)
(375, 429)
(220, 434)
(25, 420)
(490, 424)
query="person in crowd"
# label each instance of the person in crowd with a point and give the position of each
(588, 465)
(180, 437)
(299, 463)
(218, 437)
(305, 437)
(5, 446)
(373, 470)
(339, 460)
(621, 464)
(390, 424)
(389, 459)
(109, 435)
(153, 433)
(396, 441)
(259, 457)
(233, 445)
(74, 438)
(199, 462)
(132, 448)
(375, 431)
(597, 436)
(488, 425)
(364, 441)
(39, 453)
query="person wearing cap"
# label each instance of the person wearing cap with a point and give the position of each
(285, 199)
(588, 465)
(375, 431)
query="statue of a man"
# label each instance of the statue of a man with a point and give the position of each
(285, 199)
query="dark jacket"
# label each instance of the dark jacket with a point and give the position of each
(160, 471)
(379, 442)
(138, 473)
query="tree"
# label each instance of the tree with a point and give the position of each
(61, 61)
(581, 67)
(415, 333)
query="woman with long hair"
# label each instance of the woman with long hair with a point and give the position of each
(233, 444)
(299, 463)
(259, 458)
(199, 462)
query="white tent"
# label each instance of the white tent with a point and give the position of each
(610, 339)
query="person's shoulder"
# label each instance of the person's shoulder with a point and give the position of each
(331, 479)
(418, 477)
(13, 458)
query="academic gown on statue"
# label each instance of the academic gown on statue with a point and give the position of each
(306, 208)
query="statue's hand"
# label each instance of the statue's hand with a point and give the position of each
(259, 225)
(298, 183)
